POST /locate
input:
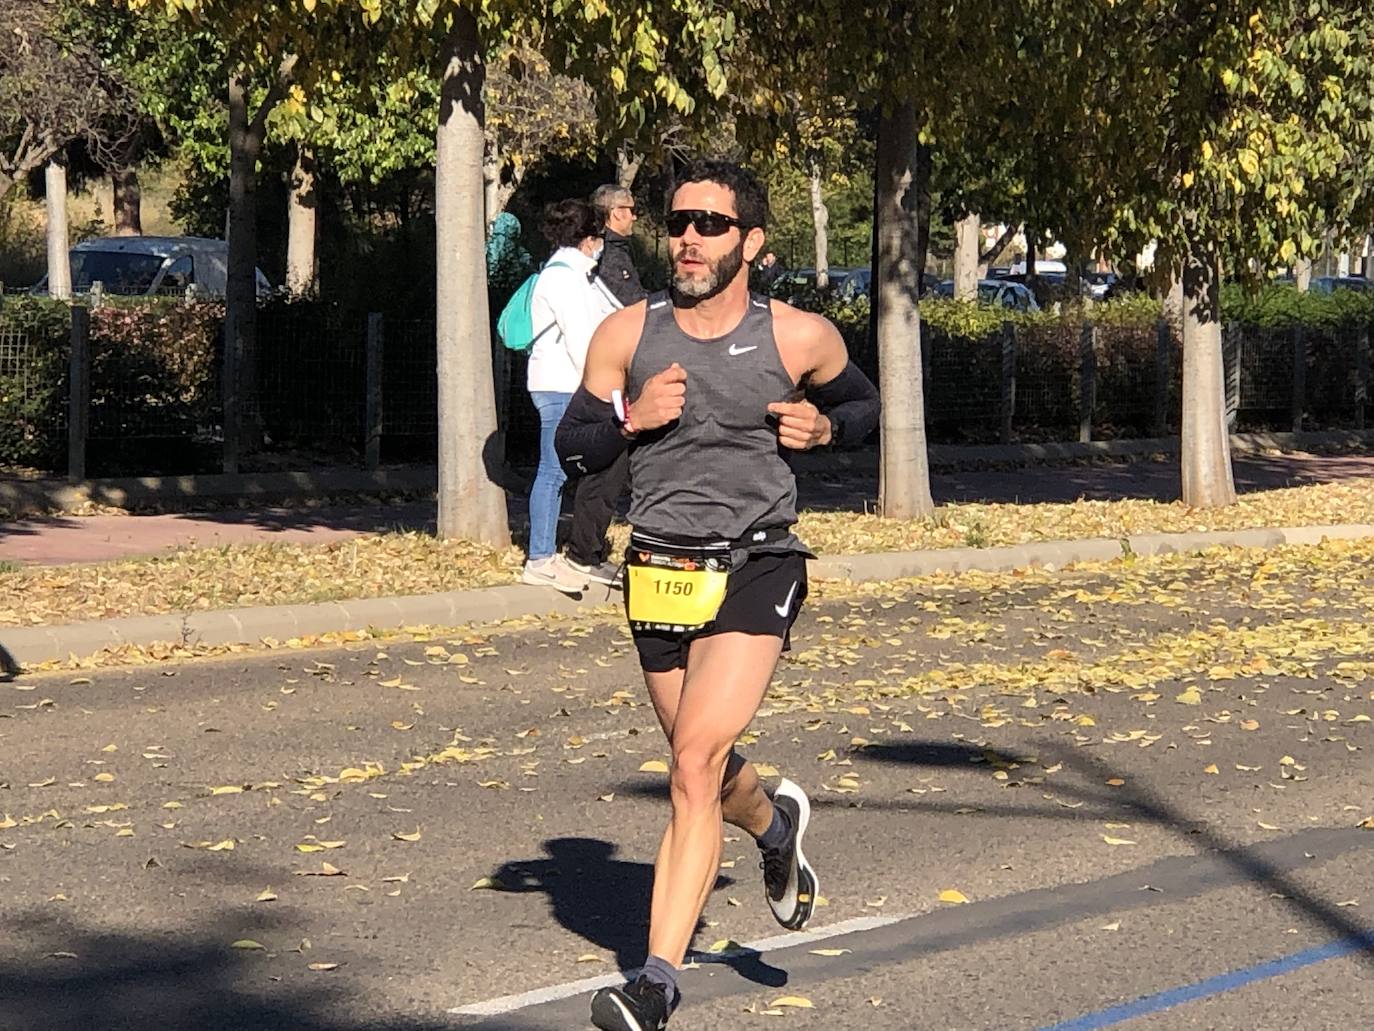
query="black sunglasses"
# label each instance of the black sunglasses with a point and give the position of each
(706, 223)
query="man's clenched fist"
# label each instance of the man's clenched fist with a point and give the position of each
(661, 400)
(801, 426)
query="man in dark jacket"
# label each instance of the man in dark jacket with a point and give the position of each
(617, 271)
(598, 495)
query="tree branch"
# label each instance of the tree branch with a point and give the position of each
(257, 126)
(998, 245)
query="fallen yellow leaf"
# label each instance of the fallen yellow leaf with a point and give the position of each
(406, 835)
(653, 766)
(953, 895)
(799, 1002)
(1116, 841)
(247, 944)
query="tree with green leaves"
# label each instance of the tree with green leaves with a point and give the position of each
(1258, 142)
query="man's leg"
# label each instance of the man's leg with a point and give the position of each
(727, 675)
(743, 802)
(594, 506)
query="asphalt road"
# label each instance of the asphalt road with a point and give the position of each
(1146, 779)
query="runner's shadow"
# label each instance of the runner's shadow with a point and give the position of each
(9, 666)
(606, 900)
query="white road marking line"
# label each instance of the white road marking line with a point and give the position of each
(553, 993)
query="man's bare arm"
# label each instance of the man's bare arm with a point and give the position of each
(840, 403)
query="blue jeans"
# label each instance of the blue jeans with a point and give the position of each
(547, 493)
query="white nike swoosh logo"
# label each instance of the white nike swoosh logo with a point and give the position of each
(743, 350)
(786, 607)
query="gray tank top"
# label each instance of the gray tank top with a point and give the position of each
(719, 471)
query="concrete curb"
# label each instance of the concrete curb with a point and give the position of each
(27, 646)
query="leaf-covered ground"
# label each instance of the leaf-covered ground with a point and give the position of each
(1116, 752)
(417, 563)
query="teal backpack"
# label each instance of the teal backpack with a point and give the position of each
(515, 327)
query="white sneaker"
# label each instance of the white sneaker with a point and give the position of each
(554, 572)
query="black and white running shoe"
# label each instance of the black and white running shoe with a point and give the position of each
(640, 1006)
(787, 876)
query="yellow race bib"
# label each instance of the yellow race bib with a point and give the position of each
(675, 589)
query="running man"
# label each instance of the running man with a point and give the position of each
(719, 382)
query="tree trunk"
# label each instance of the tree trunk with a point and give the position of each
(922, 205)
(1073, 277)
(471, 503)
(241, 307)
(128, 202)
(301, 210)
(1302, 274)
(820, 219)
(904, 488)
(1205, 444)
(627, 163)
(1030, 258)
(59, 258)
(1173, 303)
(966, 236)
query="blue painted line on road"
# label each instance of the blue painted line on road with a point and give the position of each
(1217, 985)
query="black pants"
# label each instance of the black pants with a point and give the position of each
(594, 506)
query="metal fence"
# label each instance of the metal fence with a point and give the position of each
(347, 389)
(33, 399)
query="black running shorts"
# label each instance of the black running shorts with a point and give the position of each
(763, 597)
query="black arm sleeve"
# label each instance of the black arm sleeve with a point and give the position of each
(850, 402)
(588, 438)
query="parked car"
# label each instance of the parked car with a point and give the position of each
(855, 284)
(859, 282)
(1097, 284)
(1043, 267)
(1004, 292)
(806, 277)
(1330, 284)
(146, 266)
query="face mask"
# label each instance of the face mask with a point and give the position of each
(596, 254)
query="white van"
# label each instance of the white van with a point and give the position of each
(1042, 268)
(146, 266)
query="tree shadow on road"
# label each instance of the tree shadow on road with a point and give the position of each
(1134, 798)
(71, 978)
(605, 900)
(1080, 793)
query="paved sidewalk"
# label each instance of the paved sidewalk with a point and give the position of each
(70, 539)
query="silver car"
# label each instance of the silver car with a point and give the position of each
(146, 266)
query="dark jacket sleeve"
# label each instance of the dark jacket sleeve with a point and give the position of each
(617, 270)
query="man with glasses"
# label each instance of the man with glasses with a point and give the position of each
(617, 269)
(707, 386)
(598, 494)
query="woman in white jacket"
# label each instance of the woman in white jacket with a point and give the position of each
(568, 304)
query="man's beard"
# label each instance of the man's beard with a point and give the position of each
(720, 273)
